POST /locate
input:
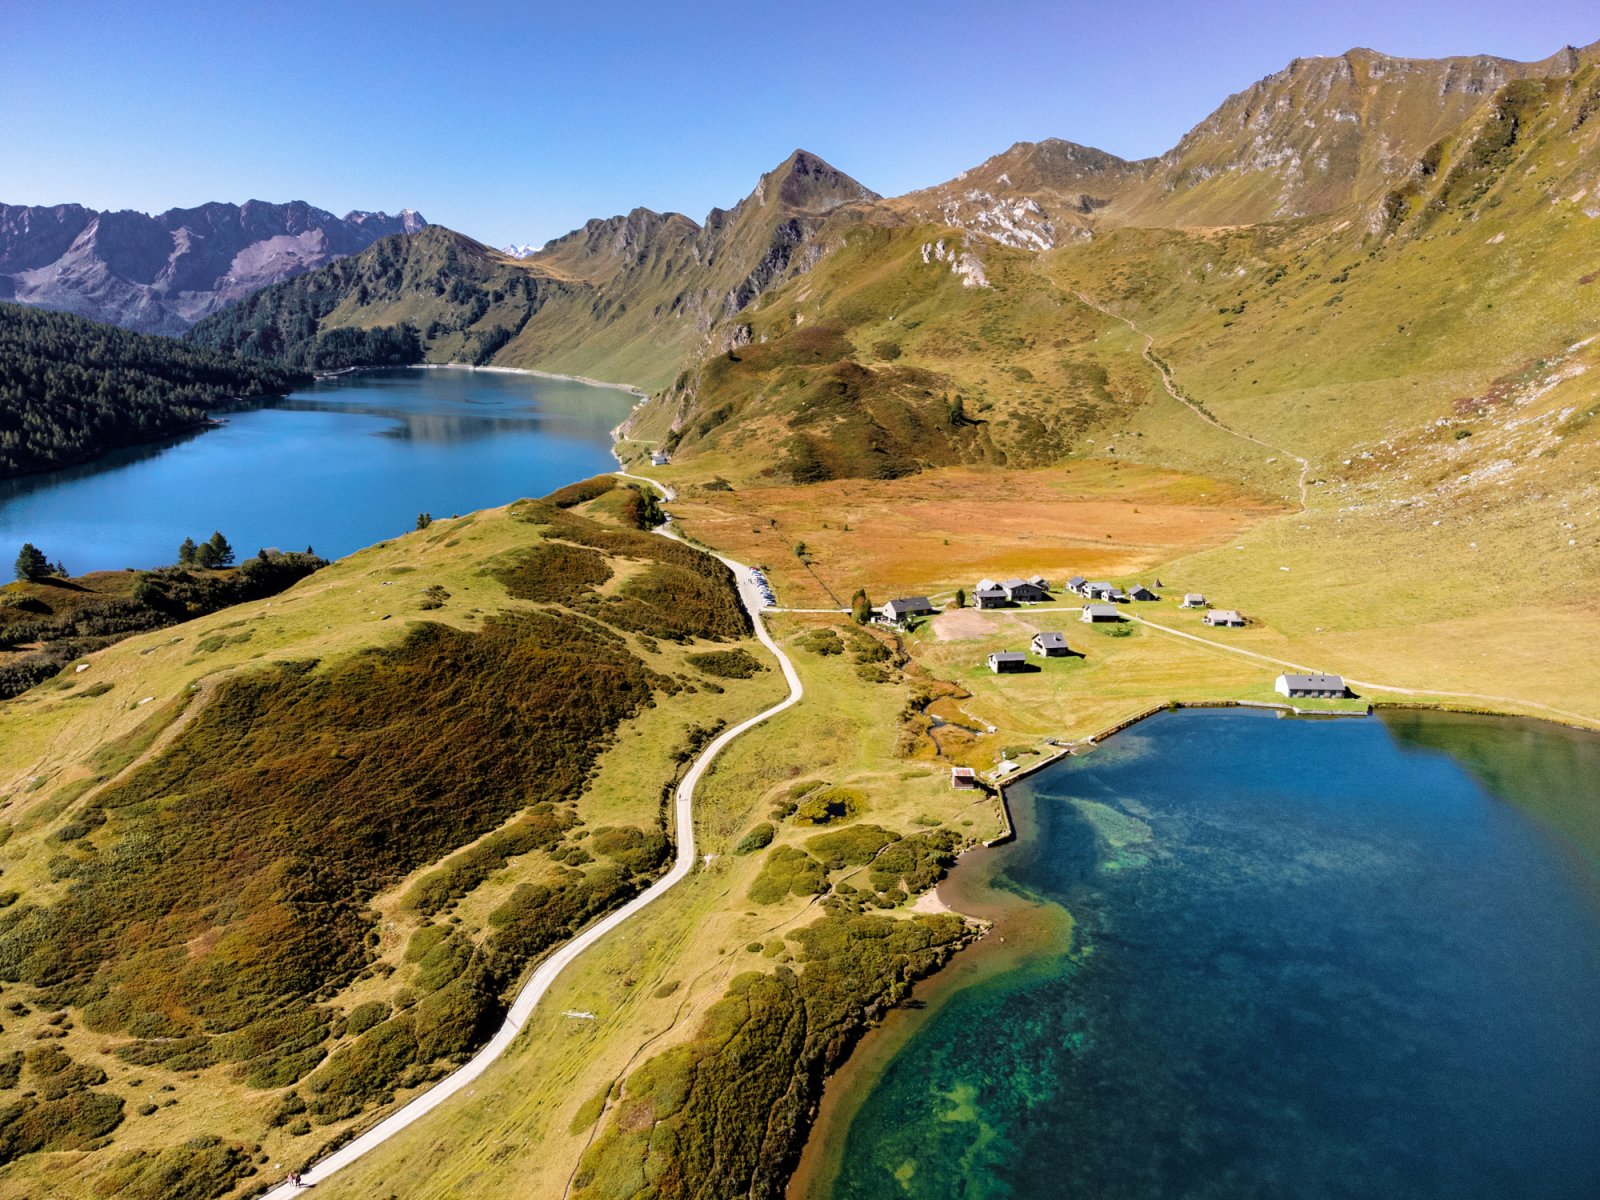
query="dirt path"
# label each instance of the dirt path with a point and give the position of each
(546, 973)
(1176, 393)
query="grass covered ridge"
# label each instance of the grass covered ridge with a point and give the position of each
(307, 883)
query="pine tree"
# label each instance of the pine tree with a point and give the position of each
(186, 552)
(961, 597)
(32, 565)
(424, 520)
(221, 552)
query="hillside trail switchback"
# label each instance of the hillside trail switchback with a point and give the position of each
(1171, 386)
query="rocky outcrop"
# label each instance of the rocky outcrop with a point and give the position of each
(161, 274)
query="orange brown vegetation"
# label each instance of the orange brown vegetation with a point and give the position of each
(947, 528)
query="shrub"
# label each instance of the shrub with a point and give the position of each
(636, 851)
(581, 492)
(853, 846)
(364, 1016)
(758, 838)
(71, 1122)
(917, 862)
(727, 664)
(788, 871)
(551, 571)
(202, 1169)
(829, 804)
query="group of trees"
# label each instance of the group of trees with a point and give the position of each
(32, 565)
(71, 389)
(212, 553)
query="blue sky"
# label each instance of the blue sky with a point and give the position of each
(519, 121)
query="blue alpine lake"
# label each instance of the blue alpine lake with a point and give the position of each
(1244, 957)
(340, 465)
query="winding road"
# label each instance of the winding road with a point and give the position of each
(546, 973)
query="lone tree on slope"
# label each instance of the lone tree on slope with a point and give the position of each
(32, 565)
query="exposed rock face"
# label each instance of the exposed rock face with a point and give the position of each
(1321, 134)
(161, 274)
(1034, 196)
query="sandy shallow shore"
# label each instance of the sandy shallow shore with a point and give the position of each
(621, 387)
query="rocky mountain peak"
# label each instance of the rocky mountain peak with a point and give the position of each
(161, 273)
(806, 183)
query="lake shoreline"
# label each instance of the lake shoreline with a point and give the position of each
(1010, 937)
(585, 379)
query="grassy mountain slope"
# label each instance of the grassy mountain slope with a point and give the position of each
(276, 866)
(71, 388)
(624, 300)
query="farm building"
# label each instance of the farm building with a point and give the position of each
(1139, 592)
(1100, 612)
(1318, 687)
(1224, 616)
(659, 458)
(1049, 645)
(1193, 600)
(1097, 589)
(989, 597)
(1040, 582)
(1002, 661)
(897, 612)
(1075, 584)
(1019, 590)
(963, 777)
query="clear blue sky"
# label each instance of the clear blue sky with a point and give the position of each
(517, 122)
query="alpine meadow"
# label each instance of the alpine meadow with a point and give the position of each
(642, 840)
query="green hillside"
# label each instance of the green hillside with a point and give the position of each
(278, 865)
(623, 300)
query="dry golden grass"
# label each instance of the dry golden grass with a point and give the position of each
(945, 529)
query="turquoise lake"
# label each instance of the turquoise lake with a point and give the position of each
(340, 465)
(1307, 959)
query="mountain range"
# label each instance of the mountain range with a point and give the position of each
(161, 274)
(639, 297)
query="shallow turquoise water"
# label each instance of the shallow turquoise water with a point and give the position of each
(1313, 959)
(341, 465)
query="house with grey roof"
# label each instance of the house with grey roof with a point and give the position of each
(1193, 600)
(1020, 590)
(1075, 584)
(898, 612)
(1007, 661)
(989, 597)
(1139, 592)
(1311, 687)
(659, 458)
(1049, 645)
(1097, 589)
(1100, 612)
(1224, 616)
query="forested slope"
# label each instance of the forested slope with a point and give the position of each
(71, 389)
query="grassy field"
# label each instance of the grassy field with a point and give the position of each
(531, 1117)
(71, 747)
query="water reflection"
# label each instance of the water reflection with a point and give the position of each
(339, 465)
